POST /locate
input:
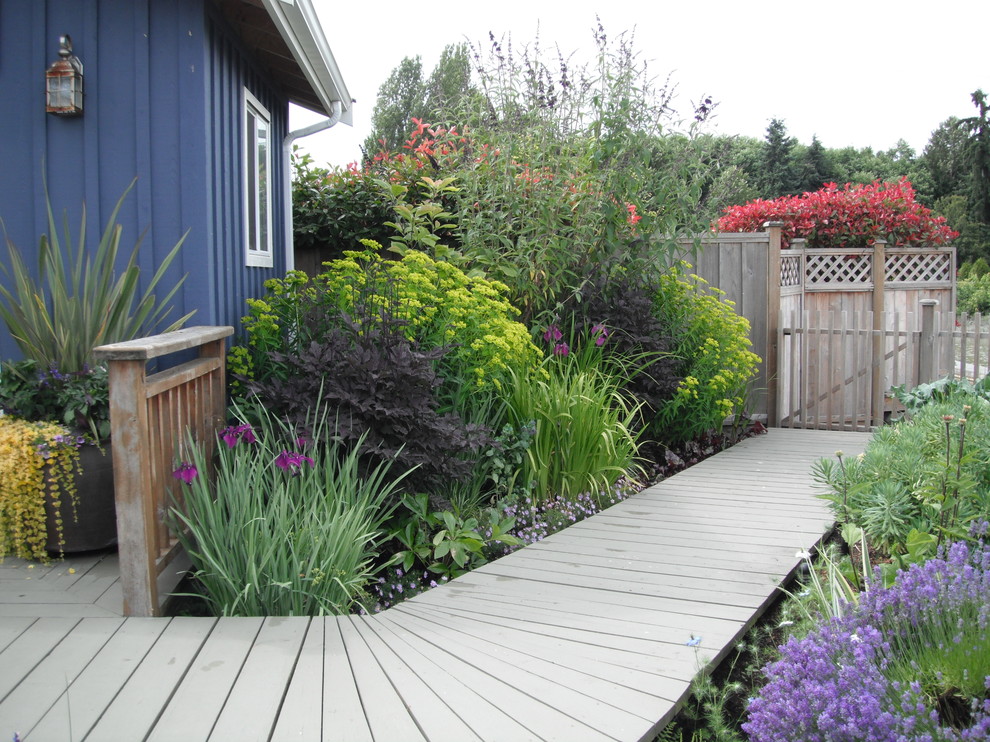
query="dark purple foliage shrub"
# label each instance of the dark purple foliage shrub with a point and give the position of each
(623, 304)
(380, 384)
(838, 683)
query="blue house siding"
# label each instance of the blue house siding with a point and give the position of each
(163, 84)
(231, 71)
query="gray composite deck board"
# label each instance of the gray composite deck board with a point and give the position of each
(583, 636)
(383, 706)
(256, 697)
(86, 586)
(50, 679)
(301, 715)
(136, 708)
(434, 717)
(197, 701)
(344, 712)
(76, 711)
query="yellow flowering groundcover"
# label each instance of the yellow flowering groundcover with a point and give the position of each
(37, 460)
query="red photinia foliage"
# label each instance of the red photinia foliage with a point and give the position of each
(851, 216)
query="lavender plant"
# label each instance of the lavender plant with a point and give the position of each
(911, 663)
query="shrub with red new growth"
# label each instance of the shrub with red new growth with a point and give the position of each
(851, 216)
(430, 148)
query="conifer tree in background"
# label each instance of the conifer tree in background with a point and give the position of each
(777, 177)
(814, 169)
(978, 153)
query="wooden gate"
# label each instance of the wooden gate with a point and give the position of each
(836, 368)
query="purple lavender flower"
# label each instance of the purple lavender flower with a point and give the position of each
(836, 682)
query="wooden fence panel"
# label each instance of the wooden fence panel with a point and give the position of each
(740, 265)
(150, 416)
(830, 357)
(964, 346)
(836, 369)
(767, 284)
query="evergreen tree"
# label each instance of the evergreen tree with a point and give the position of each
(977, 129)
(777, 176)
(450, 82)
(815, 169)
(945, 159)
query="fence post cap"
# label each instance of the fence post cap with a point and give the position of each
(929, 302)
(767, 225)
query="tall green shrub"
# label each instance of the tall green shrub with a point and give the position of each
(333, 209)
(412, 351)
(973, 294)
(444, 307)
(555, 170)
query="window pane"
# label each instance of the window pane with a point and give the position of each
(251, 166)
(257, 182)
(264, 192)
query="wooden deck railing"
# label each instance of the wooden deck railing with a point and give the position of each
(150, 417)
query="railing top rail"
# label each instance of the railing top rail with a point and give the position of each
(142, 349)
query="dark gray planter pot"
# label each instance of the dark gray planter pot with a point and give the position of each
(92, 525)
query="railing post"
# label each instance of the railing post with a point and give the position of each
(774, 246)
(217, 349)
(926, 348)
(878, 271)
(136, 519)
(953, 269)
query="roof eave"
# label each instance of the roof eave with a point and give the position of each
(299, 26)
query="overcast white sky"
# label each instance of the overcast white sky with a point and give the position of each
(861, 73)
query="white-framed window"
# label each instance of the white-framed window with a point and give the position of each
(258, 196)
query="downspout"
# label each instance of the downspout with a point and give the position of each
(337, 108)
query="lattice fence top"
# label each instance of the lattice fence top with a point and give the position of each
(838, 268)
(790, 270)
(918, 267)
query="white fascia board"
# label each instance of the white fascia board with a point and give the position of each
(299, 26)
